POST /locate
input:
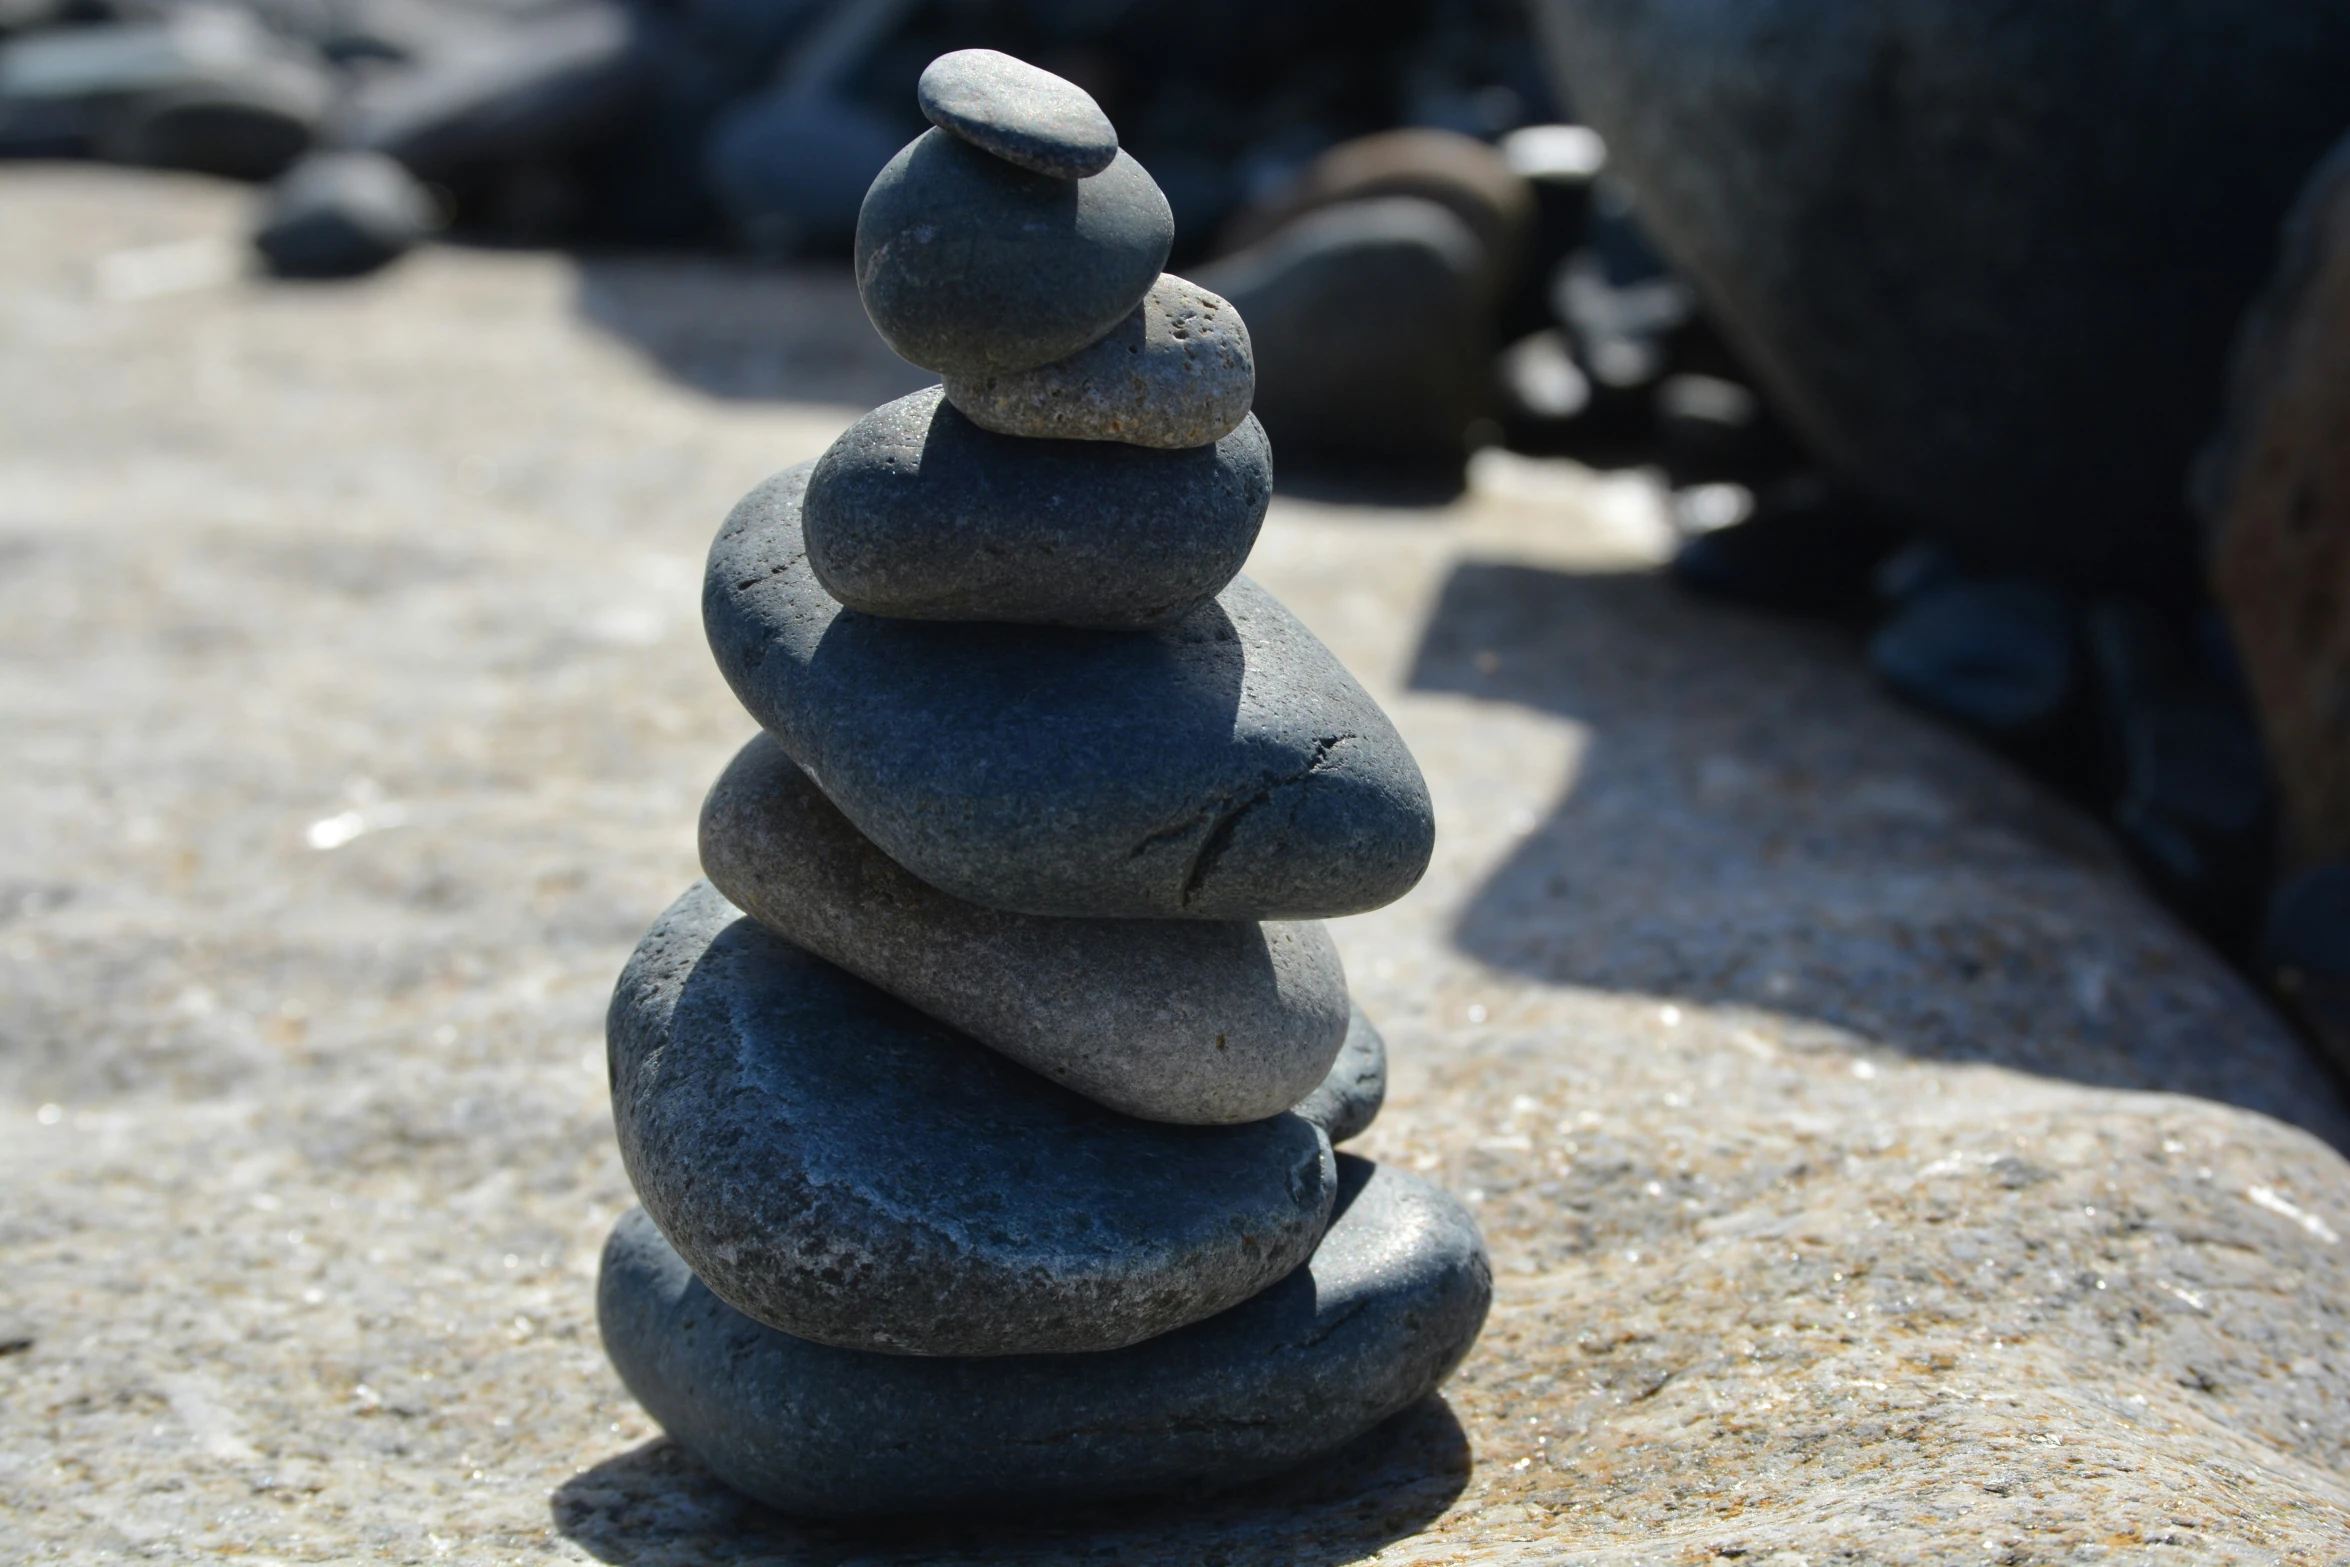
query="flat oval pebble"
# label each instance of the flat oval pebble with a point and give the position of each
(1176, 372)
(969, 265)
(1020, 113)
(1386, 1309)
(1197, 1021)
(836, 1165)
(917, 513)
(1356, 1086)
(1224, 766)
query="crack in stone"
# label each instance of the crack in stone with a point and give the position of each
(1227, 822)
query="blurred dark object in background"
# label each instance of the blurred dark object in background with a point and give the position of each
(343, 214)
(2274, 490)
(1987, 259)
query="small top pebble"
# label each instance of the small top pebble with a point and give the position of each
(1021, 114)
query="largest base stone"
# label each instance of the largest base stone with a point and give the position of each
(1389, 1304)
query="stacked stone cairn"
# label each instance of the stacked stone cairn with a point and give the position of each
(987, 1163)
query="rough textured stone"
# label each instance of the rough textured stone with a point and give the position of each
(968, 265)
(1177, 372)
(1368, 322)
(2276, 491)
(340, 214)
(1986, 263)
(1211, 1022)
(1020, 113)
(838, 1166)
(1223, 767)
(918, 514)
(389, 1048)
(1390, 1303)
(1349, 1099)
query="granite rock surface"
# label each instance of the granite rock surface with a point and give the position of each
(1019, 112)
(917, 513)
(1390, 1302)
(356, 720)
(1207, 1022)
(1221, 767)
(840, 1167)
(1177, 372)
(969, 265)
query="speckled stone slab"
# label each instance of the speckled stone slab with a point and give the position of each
(840, 1167)
(1200, 1021)
(917, 513)
(1176, 372)
(969, 265)
(1019, 112)
(1356, 1086)
(1918, 1008)
(1222, 767)
(1388, 1306)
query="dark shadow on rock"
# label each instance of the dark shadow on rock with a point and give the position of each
(738, 330)
(657, 1504)
(1753, 823)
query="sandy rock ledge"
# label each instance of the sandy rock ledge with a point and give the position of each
(1872, 1172)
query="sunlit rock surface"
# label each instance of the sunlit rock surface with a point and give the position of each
(1871, 1171)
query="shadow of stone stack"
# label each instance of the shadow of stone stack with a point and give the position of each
(987, 1163)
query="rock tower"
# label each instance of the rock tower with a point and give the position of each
(987, 1163)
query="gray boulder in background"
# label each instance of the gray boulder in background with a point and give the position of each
(1986, 254)
(203, 87)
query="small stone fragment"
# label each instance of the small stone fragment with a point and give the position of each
(1993, 652)
(969, 265)
(836, 1165)
(1021, 114)
(1223, 766)
(1350, 1096)
(1175, 373)
(916, 513)
(1206, 1022)
(340, 214)
(1388, 1305)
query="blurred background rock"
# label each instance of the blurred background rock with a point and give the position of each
(1920, 312)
